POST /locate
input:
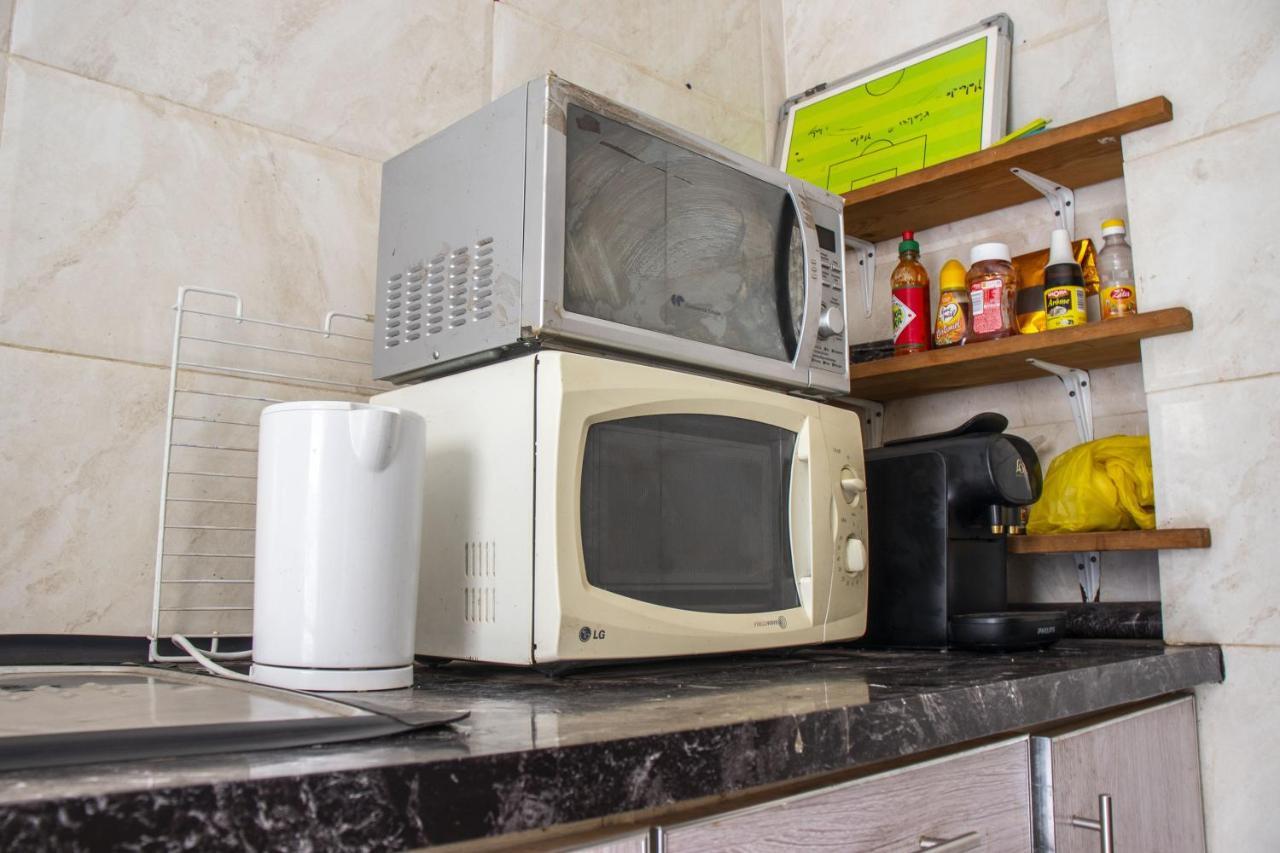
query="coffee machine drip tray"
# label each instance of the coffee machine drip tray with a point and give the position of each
(1007, 631)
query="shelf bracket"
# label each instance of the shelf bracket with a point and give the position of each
(1061, 199)
(872, 420)
(1078, 394)
(1089, 571)
(865, 254)
(1080, 397)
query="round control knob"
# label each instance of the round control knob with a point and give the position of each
(851, 486)
(855, 555)
(830, 322)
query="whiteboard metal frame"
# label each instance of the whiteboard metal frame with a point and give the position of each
(998, 30)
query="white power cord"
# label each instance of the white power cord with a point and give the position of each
(207, 662)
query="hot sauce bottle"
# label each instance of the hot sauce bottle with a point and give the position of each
(910, 284)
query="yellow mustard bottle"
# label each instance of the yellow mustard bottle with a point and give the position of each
(952, 325)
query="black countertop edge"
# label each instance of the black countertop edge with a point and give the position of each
(455, 798)
(1108, 620)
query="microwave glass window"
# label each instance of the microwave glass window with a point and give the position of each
(661, 238)
(690, 511)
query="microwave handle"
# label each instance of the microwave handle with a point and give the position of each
(798, 212)
(802, 521)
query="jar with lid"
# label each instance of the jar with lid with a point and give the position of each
(992, 287)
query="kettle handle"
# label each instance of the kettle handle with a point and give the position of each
(375, 432)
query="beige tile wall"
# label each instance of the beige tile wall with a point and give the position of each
(147, 144)
(1061, 68)
(1202, 191)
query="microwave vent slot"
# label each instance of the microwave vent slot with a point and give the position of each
(479, 604)
(458, 288)
(480, 559)
(479, 597)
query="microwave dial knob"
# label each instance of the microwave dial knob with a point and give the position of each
(851, 486)
(830, 321)
(855, 555)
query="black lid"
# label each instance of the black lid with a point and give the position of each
(1063, 274)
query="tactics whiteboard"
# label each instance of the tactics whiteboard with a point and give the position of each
(944, 100)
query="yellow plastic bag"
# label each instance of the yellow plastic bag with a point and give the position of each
(1100, 485)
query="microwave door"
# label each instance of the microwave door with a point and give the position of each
(691, 512)
(672, 253)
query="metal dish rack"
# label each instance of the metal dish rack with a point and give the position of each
(225, 369)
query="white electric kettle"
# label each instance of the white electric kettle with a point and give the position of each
(337, 547)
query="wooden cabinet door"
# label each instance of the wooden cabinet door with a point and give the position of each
(630, 842)
(978, 800)
(1148, 762)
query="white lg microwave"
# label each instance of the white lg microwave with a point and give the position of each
(555, 217)
(579, 509)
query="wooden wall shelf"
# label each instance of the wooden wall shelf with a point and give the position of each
(991, 362)
(1116, 540)
(1075, 155)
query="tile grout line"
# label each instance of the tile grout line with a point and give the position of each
(20, 58)
(7, 47)
(1207, 135)
(1213, 382)
(165, 367)
(109, 359)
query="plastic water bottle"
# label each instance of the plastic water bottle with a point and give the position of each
(1115, 271)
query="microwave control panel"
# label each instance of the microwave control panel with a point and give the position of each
(829, 350)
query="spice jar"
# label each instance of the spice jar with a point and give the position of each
(992, 287)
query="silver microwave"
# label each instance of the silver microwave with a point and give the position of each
(582, 509)
(554, 217)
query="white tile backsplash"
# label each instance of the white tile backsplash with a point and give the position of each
(1202, 238)
(773, 68)
(1126, 576)
(1218, 63)
(679, 42)
(116, 199)
(1216, 448)
(6, 21)
(1239, 745)
(366, 78)
(80, 458)
(1066, 76)
(525, 47)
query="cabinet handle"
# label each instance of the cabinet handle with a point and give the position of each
(1102, 825)
(959, 844)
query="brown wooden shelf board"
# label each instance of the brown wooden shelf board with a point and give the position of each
(1075, 155)
(1115, 540)
(991, 362)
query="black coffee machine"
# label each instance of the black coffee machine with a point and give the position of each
(939, 508)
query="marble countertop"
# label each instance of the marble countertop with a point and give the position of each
(538, 751)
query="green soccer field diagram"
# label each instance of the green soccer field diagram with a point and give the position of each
(905, 120)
